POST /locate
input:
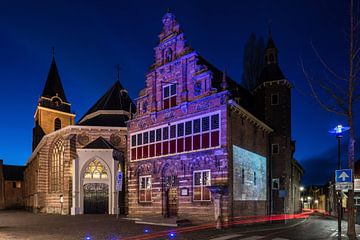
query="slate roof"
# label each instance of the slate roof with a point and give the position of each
(116, 98)
(13, 172)
(235, 88)
(99, 143)
(53, 84)
(271, 72)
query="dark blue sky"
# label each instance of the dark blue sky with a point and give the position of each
(91, 37)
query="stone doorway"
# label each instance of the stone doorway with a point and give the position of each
(96, 198)
(172, 202)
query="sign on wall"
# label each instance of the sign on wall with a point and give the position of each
(249, 175)
(119, 181)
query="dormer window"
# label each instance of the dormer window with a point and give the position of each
(169, 96)
(168, 55)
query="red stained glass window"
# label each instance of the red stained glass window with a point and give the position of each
(145, 151)
(165, 147)
(152, 150)
(158, 149)
(133, 154)
(180, 145)
(215, 139)
(196, 143)
(173, 146)
(205, 140)
(188, 143)
(139, 152)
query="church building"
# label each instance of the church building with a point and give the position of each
(75, 168)
(201, 146)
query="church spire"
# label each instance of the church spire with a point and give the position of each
(271, 52)
(53, 86)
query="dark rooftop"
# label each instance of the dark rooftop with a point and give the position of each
(99, 143)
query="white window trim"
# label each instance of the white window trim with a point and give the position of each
(176, 136)
(193, 184)
(140, 188)
(170, 95)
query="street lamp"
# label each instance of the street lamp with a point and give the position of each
(338, 131)
(301, 197)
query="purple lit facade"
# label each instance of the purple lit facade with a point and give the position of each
(190, 118)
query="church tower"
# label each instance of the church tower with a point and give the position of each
(53, 111)
(273, 104)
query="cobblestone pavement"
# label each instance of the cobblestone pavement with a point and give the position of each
(24, 225)
(28, 226)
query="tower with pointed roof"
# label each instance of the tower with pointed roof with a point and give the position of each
(273, 104)
(53, 111)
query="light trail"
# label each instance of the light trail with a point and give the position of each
(235, 221)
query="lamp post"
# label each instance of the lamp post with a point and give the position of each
(338, 131)
(301, 197)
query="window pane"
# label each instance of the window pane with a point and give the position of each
(146, 137)
(165, 133)
(205, 124)
(196, 125)
(180, 127)
(206, 178)
(215, 121)
(188, 129)
(166, 92)
(158, 134)
(173, 89)
(142, 183)
(152, 136)
(139, 139)
(197, 178)
(133, 140)
(173, 131)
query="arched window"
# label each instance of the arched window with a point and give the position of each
(95, 170)
(57, 124)
(57, 166)
(168, 55)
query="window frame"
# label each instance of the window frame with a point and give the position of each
(171, 95)
(273, 103)
(145, 189)
(272, 148)
(202, 186)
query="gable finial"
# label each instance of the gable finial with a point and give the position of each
(53, 51)
(270, 26)
(224, 82)
(117, 67)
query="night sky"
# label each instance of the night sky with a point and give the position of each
(91, 37)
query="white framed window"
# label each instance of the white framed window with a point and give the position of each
(169, 96)
(275, 99)
(201, 179)
(192, 134)
(275, 148)
(145, 188)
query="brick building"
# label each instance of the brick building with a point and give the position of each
(199, 138)
(74, 168)
(11, 186)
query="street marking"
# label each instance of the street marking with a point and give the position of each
(253, 238)
(227, 237)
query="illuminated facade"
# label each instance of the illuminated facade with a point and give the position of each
(194, 137)
(73, 168)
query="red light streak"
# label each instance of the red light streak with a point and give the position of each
(236, 221)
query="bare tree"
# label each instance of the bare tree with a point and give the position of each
(340, 94)
(253, 61)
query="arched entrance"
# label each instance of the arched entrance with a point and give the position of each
(96, 188)
(96, 198)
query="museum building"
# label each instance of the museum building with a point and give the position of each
(201, 146)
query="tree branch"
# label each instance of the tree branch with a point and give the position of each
(326, 66)
(316, 96)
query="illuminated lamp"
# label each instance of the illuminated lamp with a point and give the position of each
(172, 235)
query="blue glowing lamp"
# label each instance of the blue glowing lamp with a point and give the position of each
(146, 230)
(338, 130)
(87, 238)
(172, 235)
